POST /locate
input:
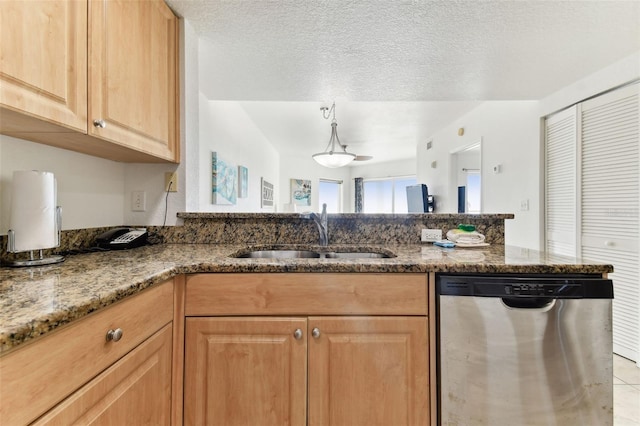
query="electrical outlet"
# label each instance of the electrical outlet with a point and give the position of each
(171, 178)
(138, 201)
(430, 235)
(524, 205)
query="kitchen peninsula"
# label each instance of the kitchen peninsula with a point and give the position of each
(174, 297)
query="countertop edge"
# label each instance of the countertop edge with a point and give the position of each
(39, 325)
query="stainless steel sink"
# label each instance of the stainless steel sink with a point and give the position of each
(356, 255)
(311, 254)
(278, 254)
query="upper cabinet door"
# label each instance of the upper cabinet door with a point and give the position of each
(43, 63)
(132, 75)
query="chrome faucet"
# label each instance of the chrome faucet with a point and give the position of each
(321, 223)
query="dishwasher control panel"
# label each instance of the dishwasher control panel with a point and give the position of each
(520, 286)
(534, 289)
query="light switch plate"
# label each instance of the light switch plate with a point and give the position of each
(138, 201)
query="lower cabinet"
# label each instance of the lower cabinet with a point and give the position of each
(368, 371)
(245, 371)
(112, 367)
(309, 367)
(350, 371)
(135, 390)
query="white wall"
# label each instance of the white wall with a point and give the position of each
(365, 170)
(190, 115)
(509, 131)
(90, 189)
(150, 178)
(616, 74)
(226, 129)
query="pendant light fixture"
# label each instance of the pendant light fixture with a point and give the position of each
(333, 156)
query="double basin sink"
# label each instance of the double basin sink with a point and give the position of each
(319, 253)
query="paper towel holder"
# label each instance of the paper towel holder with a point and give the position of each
(34, 260)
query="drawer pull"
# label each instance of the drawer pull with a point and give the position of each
(114, 335)
(297, 334)
(99, 123)
(315, 332)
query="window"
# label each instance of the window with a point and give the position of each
(473, 192)
(330, 192)
(387, 195)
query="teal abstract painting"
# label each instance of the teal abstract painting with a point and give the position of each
(224, 180)
(301, 192)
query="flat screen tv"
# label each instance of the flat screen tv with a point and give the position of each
(417, 198)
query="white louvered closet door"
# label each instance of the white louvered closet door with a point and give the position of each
(609, 201)
(560, 182)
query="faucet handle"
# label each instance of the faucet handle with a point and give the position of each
(324, 208)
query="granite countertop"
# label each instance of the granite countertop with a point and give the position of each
(34, 301)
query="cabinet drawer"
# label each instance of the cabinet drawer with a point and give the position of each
(306, 294)
(47, 370)
(119, 395)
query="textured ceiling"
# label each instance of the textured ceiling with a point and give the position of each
(376, 51)
(386, 50)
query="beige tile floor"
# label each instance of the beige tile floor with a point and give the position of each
(626, 392)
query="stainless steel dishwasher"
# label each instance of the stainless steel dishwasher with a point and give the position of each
(525, 350)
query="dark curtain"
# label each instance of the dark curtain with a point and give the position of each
(359, 182)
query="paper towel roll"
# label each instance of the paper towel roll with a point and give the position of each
(33, 210)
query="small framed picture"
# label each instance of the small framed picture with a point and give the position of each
(266, 198)
(300, 192)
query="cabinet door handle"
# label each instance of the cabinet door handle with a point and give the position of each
(114, 335)
(315, 332)
(297, 334)
(99, 123)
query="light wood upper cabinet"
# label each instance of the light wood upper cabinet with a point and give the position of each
(133, 74)
(43, 64)
(68, 64)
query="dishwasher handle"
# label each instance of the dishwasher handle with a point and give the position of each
(540, 303)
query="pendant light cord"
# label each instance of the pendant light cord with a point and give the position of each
(326, 113)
